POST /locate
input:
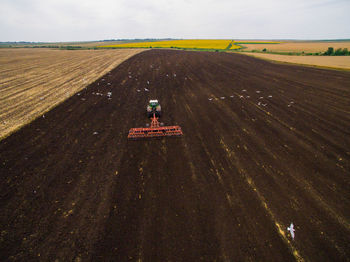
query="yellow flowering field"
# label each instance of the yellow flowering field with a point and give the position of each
(191, 44)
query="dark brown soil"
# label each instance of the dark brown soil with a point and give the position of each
(73, 188)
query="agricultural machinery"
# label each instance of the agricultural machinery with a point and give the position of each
(156, 129)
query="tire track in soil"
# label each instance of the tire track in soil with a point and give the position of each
(226, 190)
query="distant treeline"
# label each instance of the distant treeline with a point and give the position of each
(18, 43)
(333, 40)
(63, 47)
(60, 47)
(105, 40)
(338, 52)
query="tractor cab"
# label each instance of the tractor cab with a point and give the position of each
(153, 103)
(154, 107)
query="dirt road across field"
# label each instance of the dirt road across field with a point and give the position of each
(264, 146)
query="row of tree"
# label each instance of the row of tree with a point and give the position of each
(337, 52)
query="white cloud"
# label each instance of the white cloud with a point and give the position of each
(65, 20)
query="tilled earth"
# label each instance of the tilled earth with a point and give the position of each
(264, 145)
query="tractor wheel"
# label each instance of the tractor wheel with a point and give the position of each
(158, 113)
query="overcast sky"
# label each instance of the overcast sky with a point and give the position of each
(83, 20)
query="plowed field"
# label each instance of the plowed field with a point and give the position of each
(264, 145)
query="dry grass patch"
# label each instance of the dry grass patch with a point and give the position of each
(337, 62)
(32, 81)
(307, 47)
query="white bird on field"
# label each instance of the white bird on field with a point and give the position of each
(291, 230)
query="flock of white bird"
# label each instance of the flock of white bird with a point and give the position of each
(262, 102)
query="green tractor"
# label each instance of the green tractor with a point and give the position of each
(155, 129)
(154, 108)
